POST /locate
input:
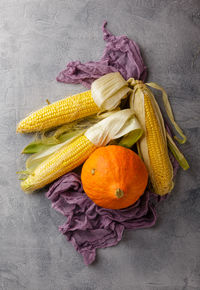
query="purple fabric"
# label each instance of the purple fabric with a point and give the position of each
(89, 226)
(121, 54)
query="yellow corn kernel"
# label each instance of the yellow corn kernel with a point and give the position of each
(153, 144)
(161, 172)
(59, 163)
(60, 112)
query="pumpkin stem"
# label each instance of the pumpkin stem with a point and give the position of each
(119, 193)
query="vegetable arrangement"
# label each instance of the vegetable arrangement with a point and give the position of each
(100, 127)
(105, 95)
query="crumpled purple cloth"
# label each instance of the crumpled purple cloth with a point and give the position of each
(88, 226)
(121, 54)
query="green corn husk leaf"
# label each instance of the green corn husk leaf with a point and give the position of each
(139, 151)
(35, 147)
(23, 174)
(131, 138)
(41, 145)
(47, 140)
(177, 154)
(36, 159)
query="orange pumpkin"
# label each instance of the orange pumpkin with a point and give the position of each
(114, 177)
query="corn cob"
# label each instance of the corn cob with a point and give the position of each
(78, 150)
(61, 162)
(153, 144)
(106, 94)
(58, 113)
(158, 152)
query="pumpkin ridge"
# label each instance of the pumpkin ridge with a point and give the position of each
(117, 170)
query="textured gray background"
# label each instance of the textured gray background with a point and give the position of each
(37, 39)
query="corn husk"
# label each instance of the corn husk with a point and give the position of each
(169, 112)
(109, 90)
(177, 154)
(115, 126)
(131, 138)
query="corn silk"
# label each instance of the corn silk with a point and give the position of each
(88, 226)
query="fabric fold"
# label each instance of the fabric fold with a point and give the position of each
(88, 226)
(121, 54)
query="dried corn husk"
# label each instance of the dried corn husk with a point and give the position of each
(109, 90)
(169, 112)
(115, 126)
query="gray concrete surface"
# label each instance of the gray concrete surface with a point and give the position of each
(37, 39)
